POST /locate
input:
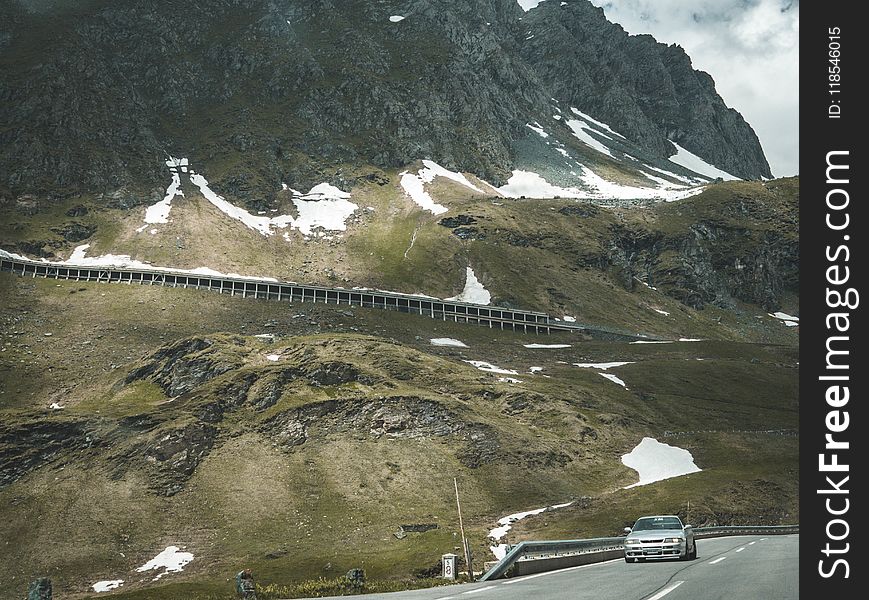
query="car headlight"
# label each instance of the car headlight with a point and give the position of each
(632, 542)
(673, 540)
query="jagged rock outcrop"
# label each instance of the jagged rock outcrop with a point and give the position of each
(306, 91)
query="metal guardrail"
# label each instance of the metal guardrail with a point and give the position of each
(559, 549)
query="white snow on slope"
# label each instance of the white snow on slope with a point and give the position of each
(537, 129)
(107, 586)
(580, 130)
(474, 292)
(682, 178)
(785, 318)
(693, 162)
(591, 119)
(654, 461)
(414, 185)
(532, 185)
(448, 342)
(169, 559)
(396, 18)
(324, 206)
(490, 368)
(546, 345)
(614, 379)
(529, 4)
(78, 259)
(506, 523)
(603, 366)
(159, 211)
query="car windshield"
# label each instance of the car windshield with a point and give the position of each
(650, 523)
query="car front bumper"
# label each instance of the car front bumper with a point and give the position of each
(655, 549)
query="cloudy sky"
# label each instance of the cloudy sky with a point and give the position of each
(750, 47)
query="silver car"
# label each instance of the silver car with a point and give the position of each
(661, 536)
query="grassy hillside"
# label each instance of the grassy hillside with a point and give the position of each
(177, 429)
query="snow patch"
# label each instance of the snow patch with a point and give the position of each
(604, 365)
(546, 345)
(56, 406)
(448, 342)
(529, 4)
(591, 119)
(580, 130)
(107, 586)
(594, 187)
(692, 162)
(614, 379)
(169, 559)
(662, 312)
(474, 292)
(490, 368)
(505, 524)
(509, 380)
(414, 184)
(788, 320)
(273, 357)
(396, 18)
(325, 206)
(159, 212)
(78, 259)
(652, 342)
(536, 128)
(654, 461)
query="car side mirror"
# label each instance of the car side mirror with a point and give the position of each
(627, 529)
(688, 527)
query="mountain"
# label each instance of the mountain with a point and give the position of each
(97, 94)
(540, 159)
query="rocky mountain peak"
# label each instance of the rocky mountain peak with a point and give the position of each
(96, 94)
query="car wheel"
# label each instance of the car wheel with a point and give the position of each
(693, 554)
(627, 560)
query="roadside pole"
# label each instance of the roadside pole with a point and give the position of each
(462, 528)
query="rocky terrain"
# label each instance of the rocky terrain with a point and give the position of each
(97, 94)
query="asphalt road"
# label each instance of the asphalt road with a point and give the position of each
(749, 567)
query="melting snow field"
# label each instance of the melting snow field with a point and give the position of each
(414, 185)
(603, 367)
(654, 461)
(506, 523)
(490, 368)
(614, 379)
(533, 185)
(107, 586)
(448, 342)
(785, 318)
(169, 559)
(474, 292)
(324, 206)
(546, 345)
(78, 258)
(693, 162)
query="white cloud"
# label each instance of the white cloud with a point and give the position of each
(750, 47)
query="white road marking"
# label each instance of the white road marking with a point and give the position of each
(740, 549)
(752, 543)
(666, 590)
(717, 560)
(520, 580)
(488, 587)
(761, 539)
(446, 598)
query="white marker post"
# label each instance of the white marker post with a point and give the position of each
(449, 563)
